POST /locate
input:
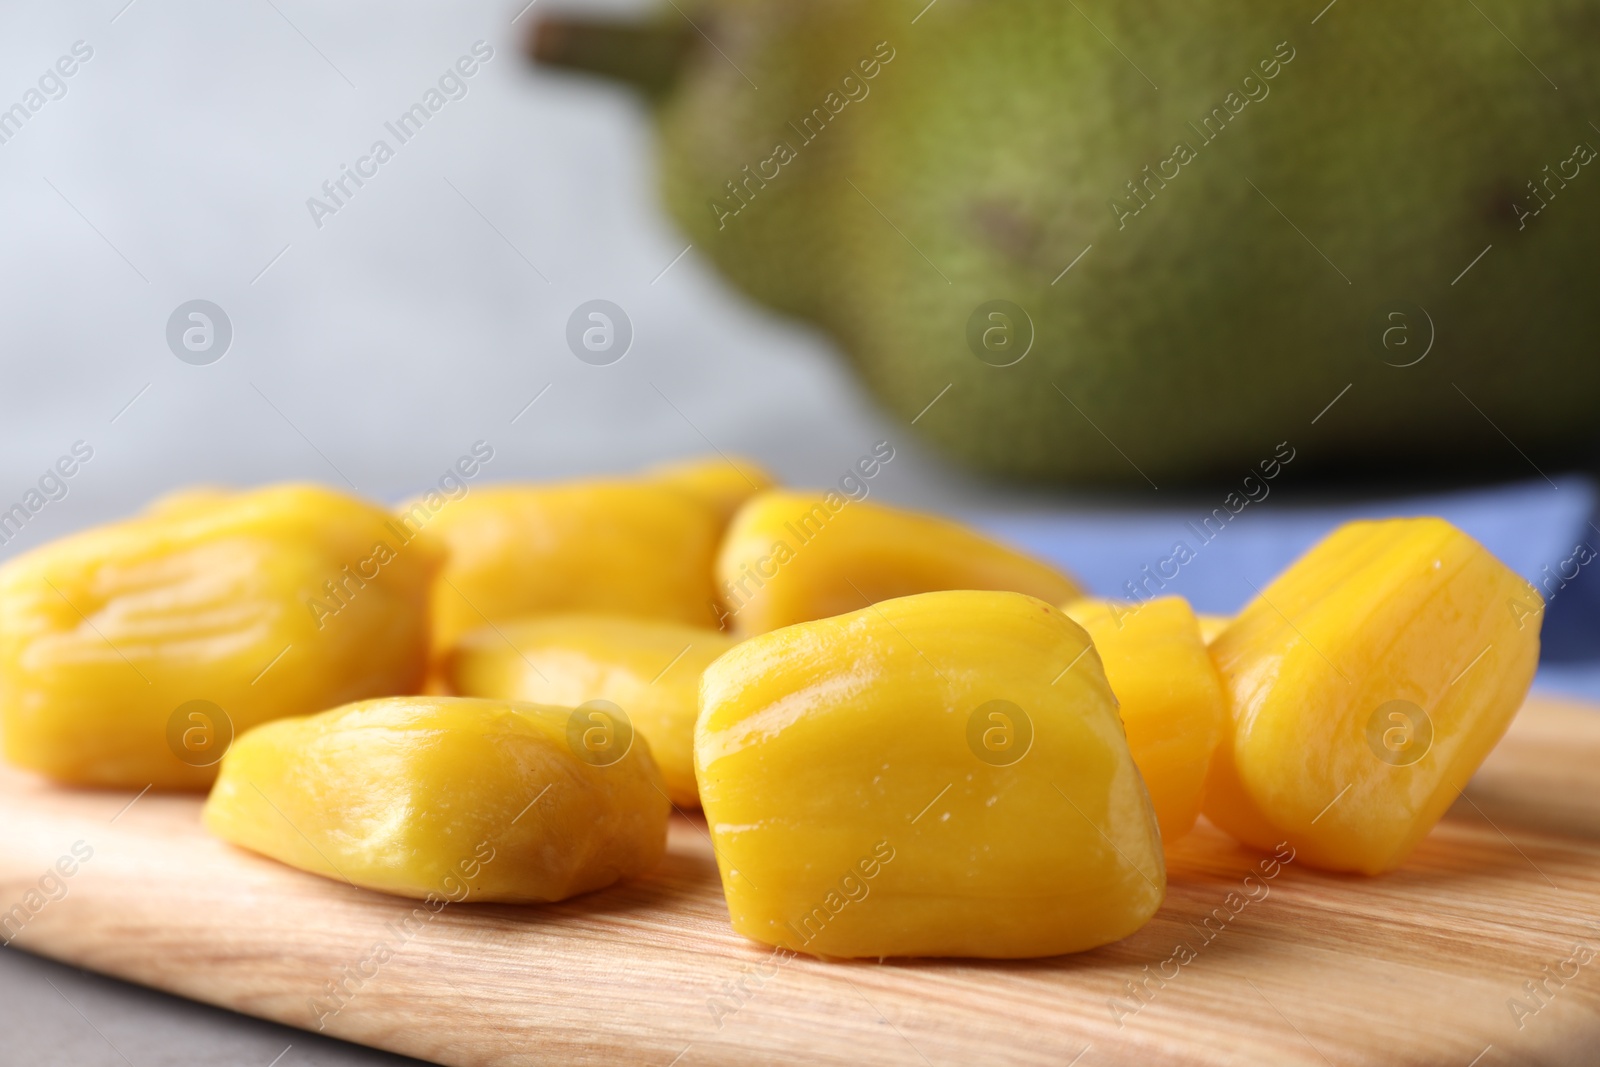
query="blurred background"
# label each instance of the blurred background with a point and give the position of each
(369, 347)
(422, 317)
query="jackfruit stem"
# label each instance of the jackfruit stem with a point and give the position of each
(646, 54)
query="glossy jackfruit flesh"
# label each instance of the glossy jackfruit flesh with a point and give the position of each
(131, 654)
(614, 547)
(446, 798)
(1169, 697)
(937, 775)
(792, 557)
(648, 669)
(723, 482)
(1211, 626)
(1366, 684)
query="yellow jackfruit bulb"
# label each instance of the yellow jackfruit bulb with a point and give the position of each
(649, 669)
(1169, 695)
(937, 775)
(188, 500)
(793, 556)
(615, 547)
(1365, 686)
(1211, 626)
(446, 798)
(131, 654)
(723, 482)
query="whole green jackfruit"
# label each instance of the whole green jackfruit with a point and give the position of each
(1146, 241)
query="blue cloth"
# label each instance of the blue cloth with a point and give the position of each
(1545, 532)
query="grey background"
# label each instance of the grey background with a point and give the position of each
(415, 321)
(420, 318)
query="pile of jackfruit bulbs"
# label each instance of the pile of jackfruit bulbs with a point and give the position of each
(907, 739)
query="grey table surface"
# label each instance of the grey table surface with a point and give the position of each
(56, 1014)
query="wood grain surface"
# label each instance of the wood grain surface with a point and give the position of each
(1421, 966)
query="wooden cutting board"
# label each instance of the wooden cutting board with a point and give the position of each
(1417, 967)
